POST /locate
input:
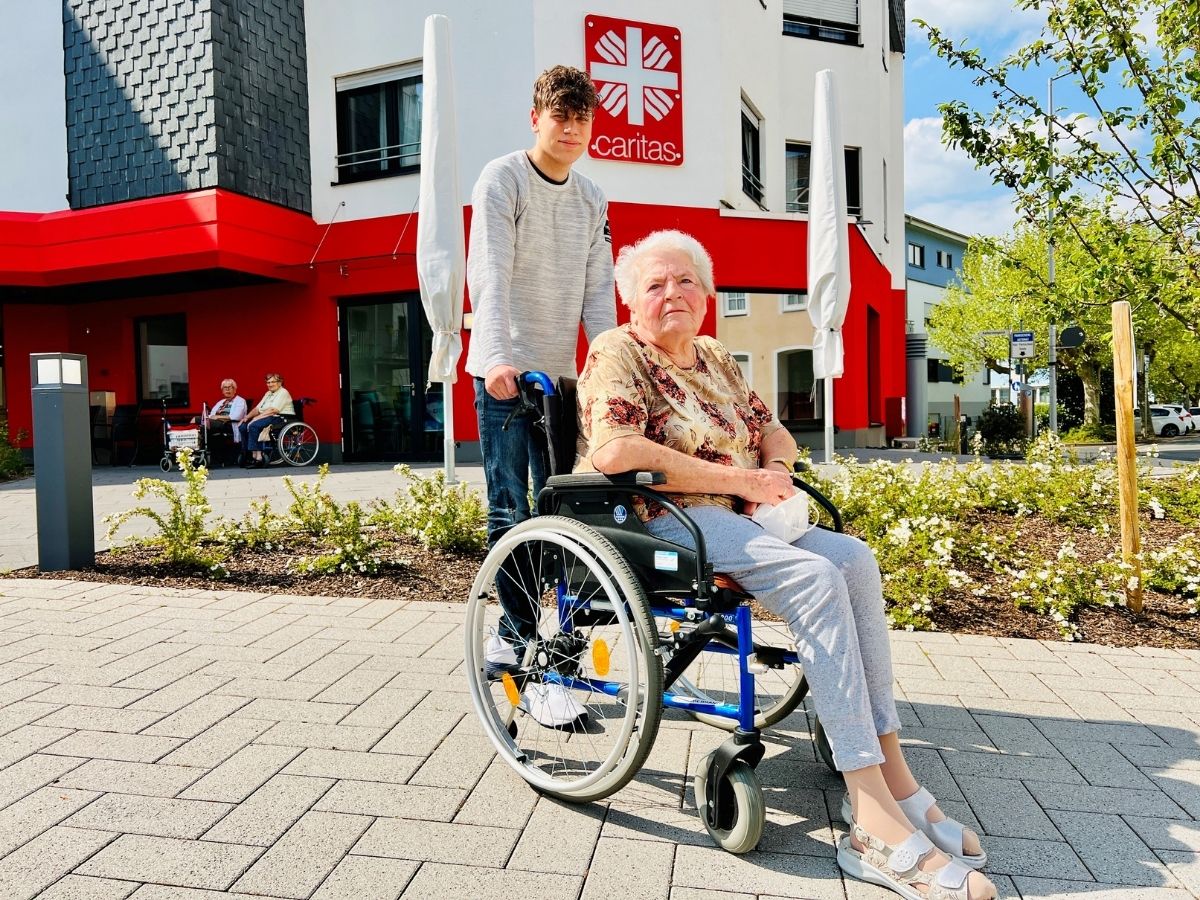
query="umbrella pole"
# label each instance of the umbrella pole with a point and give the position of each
(448, 429)
(828, 386)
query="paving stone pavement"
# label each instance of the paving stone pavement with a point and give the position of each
(197, 745)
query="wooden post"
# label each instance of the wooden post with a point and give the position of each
(957, 445)
(1131, 539)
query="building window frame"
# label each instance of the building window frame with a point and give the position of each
(794, 302)
(798, 166)
(824, 20)
(144, 364)
(745, 362)
(945, 259)
(397, 93)
(751, 156)
(817, 421)
(735, 303)
(916, 255)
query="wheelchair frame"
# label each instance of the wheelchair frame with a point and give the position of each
(680, 587)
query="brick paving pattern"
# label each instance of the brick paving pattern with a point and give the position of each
(197, 745)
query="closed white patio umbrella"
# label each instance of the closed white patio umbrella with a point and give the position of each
(441, 244)
(828, 244)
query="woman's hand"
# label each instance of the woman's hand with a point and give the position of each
(764, 486)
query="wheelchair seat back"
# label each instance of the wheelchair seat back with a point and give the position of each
(604, 504)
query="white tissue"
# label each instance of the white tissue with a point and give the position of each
(788, 521)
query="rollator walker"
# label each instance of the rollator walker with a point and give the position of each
(629, 624)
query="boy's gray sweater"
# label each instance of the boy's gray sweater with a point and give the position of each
(540, 263)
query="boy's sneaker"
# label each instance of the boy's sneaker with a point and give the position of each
(499, 656)
(553, 706)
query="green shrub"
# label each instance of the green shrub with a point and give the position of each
(1176, 497)
(352, 550)
(440, 516)
(1176, 569)
(261, 526)
(1057, 588)
(313, 511)
(12, 463)
(1090, 434)
(1002, 429)
(182, 531)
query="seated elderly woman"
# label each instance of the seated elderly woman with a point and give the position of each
(656, 396)
(274, 405)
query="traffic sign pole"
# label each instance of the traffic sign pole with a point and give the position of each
(1053, 379)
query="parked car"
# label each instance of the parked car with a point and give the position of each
(1166, 422)
(1195, 411)
(1184, 414)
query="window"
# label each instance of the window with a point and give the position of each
(945, 260)
(752, 154)
(797, 401)
(941, 372)
(743, 361)
(162, 359)
(822, 20)
(797, 169)
(916, 255)
(793, 302)
(735, 303)
(379, 124)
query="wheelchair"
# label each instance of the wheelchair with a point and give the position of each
(296, 442)
(631, 625)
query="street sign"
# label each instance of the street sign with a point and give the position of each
(1016, 386)
(1071, 337)
(1021, 345)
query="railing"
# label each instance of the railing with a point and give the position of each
(409, 152)
(752, 184)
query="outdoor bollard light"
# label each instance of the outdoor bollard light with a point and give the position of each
(62, 461)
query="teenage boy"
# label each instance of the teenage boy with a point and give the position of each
(540, 263)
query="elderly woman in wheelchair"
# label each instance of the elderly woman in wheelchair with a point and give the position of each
(617, 572)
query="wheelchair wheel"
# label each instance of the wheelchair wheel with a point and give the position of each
(165, 463)
(594, 637)
(821, 739)
(745, 811)
(714, 678)
(298, 444)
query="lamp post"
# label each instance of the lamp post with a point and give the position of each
(1052, 345)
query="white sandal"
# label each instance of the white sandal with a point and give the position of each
(946, 835)
(898, 868)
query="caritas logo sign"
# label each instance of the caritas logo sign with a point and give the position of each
(637, 68)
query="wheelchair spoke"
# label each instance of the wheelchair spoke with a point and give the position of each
(574, 736)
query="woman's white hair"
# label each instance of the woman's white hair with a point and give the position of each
(629, 261)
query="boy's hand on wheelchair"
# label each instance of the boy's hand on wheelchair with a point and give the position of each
(501, 382)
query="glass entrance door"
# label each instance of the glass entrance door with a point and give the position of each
(387, 411)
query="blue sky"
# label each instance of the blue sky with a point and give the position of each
(942, 186)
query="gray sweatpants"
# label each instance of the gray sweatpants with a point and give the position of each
(827, 588)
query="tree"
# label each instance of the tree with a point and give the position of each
(1005, 287)
(1135, 154)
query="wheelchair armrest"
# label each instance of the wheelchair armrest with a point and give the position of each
(822, 501)
(597, 479)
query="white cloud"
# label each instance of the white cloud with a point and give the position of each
(943, 186)
(975, 19)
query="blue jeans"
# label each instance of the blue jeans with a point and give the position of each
(255, 428)
(509, 458)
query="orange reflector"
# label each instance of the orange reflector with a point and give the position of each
(510, 689)
(673, 626)
(600, 658)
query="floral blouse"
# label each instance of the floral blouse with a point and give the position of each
(708, 411)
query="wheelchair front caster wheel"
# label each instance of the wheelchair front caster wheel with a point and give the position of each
(743, 811)
(823, 749)
(164, 464)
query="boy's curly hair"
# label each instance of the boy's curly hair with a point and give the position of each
(565, 89)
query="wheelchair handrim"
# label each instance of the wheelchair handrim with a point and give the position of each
(497, 732)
